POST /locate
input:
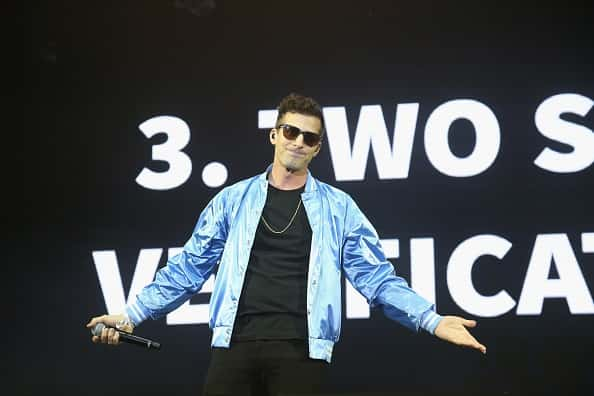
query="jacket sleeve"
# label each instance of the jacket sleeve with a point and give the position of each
(186, 272)
(366, 267)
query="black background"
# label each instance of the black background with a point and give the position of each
(94, 72)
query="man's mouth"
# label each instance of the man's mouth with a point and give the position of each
(296, 153)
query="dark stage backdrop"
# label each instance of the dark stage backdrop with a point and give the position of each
(465, 135)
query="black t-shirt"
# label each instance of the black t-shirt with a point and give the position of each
(274, 295)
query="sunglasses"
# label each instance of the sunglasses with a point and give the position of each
(291, 132)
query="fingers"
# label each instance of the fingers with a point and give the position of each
(472, 342)
(478, 346)
(113, 337)
(108, 336)
(469, 323)
(454, 329)
(94, 321)
(457, 320)
(108, 320)
(104, 335)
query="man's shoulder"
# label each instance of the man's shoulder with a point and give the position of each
(238, 188)
(331, 190)
(243, 183)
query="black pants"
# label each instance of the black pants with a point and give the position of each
(260, 368)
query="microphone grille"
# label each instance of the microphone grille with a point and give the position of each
(96, 331)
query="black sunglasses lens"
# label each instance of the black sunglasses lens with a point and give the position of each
(291, 132)
(310, 138)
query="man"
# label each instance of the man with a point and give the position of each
(282, 240)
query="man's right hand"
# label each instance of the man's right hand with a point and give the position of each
(109, 335)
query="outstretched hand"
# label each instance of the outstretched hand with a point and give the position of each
(453, 329)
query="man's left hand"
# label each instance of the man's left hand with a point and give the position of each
(453, 329)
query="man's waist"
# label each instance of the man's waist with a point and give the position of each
(270, 326)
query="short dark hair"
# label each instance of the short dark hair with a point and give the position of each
(295, 103)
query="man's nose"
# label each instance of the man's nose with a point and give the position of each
(299, 140)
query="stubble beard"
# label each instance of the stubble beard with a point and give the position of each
(291, 168)
(292, 164)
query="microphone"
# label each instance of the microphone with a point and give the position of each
(127, 337)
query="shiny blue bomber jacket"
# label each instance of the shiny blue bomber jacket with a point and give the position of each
(342, 240)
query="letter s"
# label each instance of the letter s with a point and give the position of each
(549, 123)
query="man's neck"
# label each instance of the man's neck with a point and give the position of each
(285, 179)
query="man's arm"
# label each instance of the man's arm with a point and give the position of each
(182, 277)
(369, 271)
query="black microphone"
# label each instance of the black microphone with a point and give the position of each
(127, 337)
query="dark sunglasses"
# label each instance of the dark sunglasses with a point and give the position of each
(291, 132)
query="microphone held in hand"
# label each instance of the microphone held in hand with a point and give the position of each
(127, 337)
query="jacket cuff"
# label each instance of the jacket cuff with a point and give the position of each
(430, 320)
(137, 313)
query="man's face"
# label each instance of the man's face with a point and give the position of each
(295, 155)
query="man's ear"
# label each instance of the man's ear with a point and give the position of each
(272, 136)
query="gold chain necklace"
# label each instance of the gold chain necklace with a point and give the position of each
(288, 225)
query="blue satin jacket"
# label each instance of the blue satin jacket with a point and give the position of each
(342, 240)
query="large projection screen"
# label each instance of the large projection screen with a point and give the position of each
(465, 135)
